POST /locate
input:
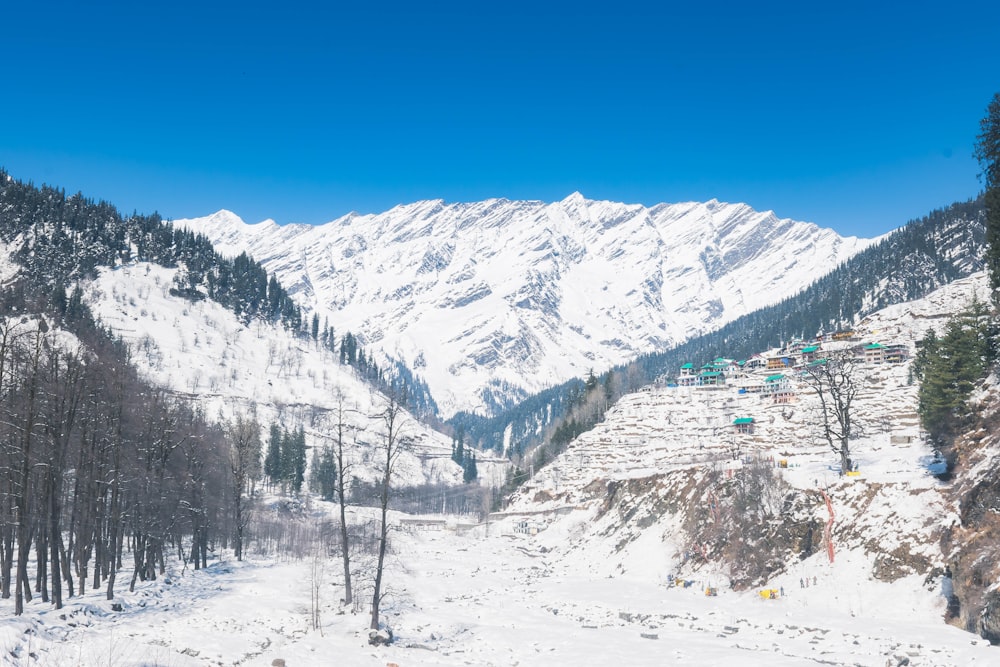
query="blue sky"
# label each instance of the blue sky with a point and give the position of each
(854, 115)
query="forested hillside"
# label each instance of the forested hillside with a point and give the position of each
(59, 240)
(92, 458)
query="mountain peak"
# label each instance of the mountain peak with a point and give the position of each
(224, 216)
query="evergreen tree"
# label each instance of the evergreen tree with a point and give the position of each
(470, 471)
(949, 367)
(293, 458)
(609, 390)
(348, 350)
(987, 151)
(329, 338)
(314, 471)
(458, 447)
(272, 461)
(323, 473)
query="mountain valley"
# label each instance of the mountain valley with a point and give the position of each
(702, 517)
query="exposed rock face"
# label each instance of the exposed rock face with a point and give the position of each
(989, 618)
(753, 545)
(972, 545)
(900, 562)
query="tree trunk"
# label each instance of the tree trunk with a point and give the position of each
(383, 535)
(8, 561)
(348, 595)
(54, 539)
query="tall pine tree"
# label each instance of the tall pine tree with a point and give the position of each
(988, 153)
(949, 367)
(272, 461)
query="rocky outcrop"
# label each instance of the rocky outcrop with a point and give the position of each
(972, 544)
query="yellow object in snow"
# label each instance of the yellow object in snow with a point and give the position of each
(769, 594)
(854, 473)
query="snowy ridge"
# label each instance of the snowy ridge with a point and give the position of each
(525, 294)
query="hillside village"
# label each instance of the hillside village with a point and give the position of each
(771, 374)
(726, 414)
(778, 377)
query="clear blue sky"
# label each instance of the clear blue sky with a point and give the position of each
(854, 115)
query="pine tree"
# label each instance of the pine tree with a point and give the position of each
(287, 459)
(348, 349)
(272, 462)
(314, 472)
(458, 447)
(293, 458)
(470, 470)
(949, 367)
(324, 474)
(987, 151)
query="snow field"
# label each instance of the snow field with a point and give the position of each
(487, 597)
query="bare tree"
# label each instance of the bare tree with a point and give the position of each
(244, 466)
(392, 421)
(836, 381)
(340, 412)
(29, 414)
(12, 349)
(317, 572)
(64, 375)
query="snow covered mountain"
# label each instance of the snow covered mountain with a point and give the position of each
(493, 300)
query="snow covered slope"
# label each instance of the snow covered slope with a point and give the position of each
(491, 300)
(203, 353)
(666, 428)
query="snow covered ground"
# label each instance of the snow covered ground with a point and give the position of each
(492, 597)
